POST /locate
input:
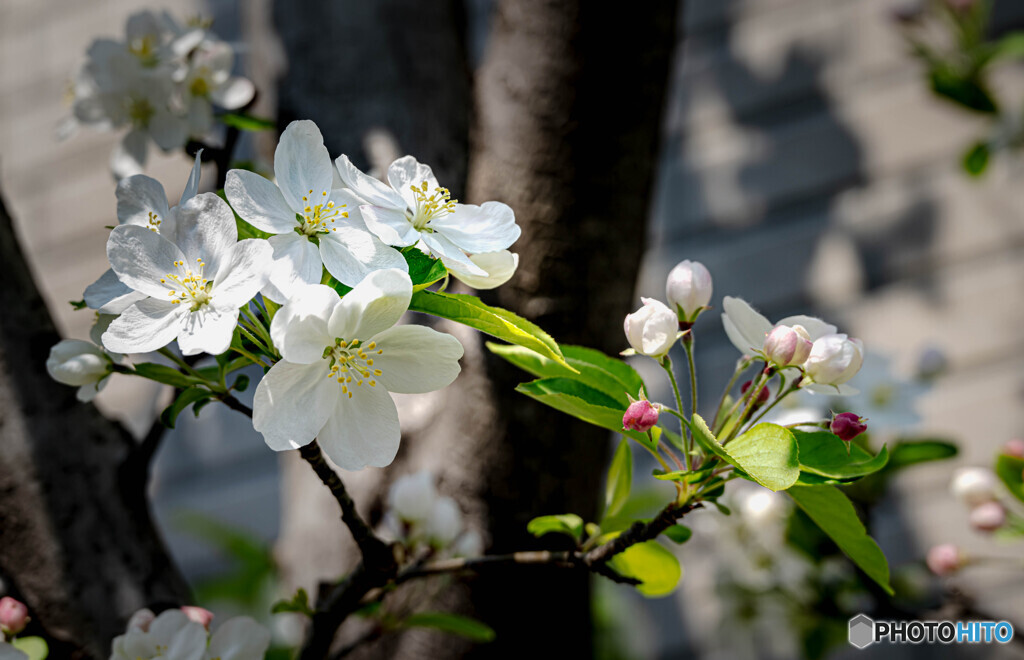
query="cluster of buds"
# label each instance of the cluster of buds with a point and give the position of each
(418, 514)
(654, 329)
(976, 487)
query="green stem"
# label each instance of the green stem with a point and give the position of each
(782, 395)
(741, 366)
(252, 358)
(752, 393)
(688, 347)
(684, 429)
(257, 327)
(185, 366)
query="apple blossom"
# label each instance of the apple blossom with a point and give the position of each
(80, 364)
(973, 485)
(13, 615)
(196, 283)
(314, 225)
(200, 615)
(141, 201)
(174, 635)
(412, 496)
(239, 638)
(834, 359)
(500, 267)
(444, 523)
(688, 289)
(1014, 447)
(412, 208)
(469, 544)
(208, 82)
(341, 357)
(944, 559)
(987, 516)
(640, 416)
(653, 329)
(787, 346)
(847, 426)
(747, 329)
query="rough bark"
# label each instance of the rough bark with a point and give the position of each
(76, 540)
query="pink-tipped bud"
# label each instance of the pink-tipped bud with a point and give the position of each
(944, 559)
(640, 416)
(787, 346)
(13, 616)
(201, 616)
(762, 396)
(987, 517)
(847, 426)
(1014, 447)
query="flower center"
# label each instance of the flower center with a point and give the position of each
(140, 111)
(319, 218)
(352, 361)
(431, 206)
(193, 288)
(144, 48)
(200, 86)
(153, 220)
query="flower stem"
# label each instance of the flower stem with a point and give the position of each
(741, 366)
(688, 347)
(752, 397)
(184, 366)
(666, 364)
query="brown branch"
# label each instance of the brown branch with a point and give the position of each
(235, 404)
(638, 532)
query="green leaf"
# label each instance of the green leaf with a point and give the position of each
(77, 304)
(183, 400)
(244, 122)
(975, 159)
(494, 321)
(1009, 47)
(1010, 470)
(582, 402)
(565, 523)
(657, 569)
(824, 454)
(620, 479)
(297, 603)
(34, 647)
(912, 452)
(830, 510)
(424, 270)
(767, 453)
(679, 533)
(964, 90)
(452, 624)
(593, 368)
(161, 373)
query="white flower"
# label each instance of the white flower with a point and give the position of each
(412, 497)
(341, 357)
(652, 329)
(80, 364)
(171, 636)
(469, 544)
(314, 225)
(196, 279)
(240, 638)
(413, 208)
(688, 288)
(974, 485)
(141, 201)
(787, 346)
(500, 266)
(444, 523)
(208, 81)
(834, 359)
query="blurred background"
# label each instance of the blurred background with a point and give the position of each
(803, 159)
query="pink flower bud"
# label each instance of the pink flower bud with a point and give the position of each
(640, 416)
(199, 615)
(944, 559)
(787, 346)
(1014, 447)
(987, 517)
(13, 615)
(762, 396)
(847, 426)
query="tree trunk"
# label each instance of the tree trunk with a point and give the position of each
(76, 541)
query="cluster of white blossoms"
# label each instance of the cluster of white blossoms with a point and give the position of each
(183, 634)
(161, 82)
(181, 274)
(417, 514)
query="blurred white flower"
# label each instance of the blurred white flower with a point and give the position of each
(974, 485)
(173, 635)
(412, 497)
(445, 522)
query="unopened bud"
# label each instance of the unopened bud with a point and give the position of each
(1014, 447)
(847, 426)
(688, 289)
(987, 517)
(640, 416)
(944, 559)
(973, 485)
(762, 396)
(201, 616)
(834, 359)
(13, 615)
(787, 346)
(652, 329)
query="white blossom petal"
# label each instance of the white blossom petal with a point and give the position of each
(406, 172)
(369, 189)
(451, 255)
(233, 94)
(296, 264)
(390, 225)
(207, 330)
(145, 326)
(109, 295)
(141, 257)
(486, 228)
(188, 644)
(302, 164)
(500, 267)
(138, 197)
(815, 327)
(240, 638)
(167, 130)
(374, 305)
(259, 202)
(205, 229)
(299, 329)
(416, 359)
(744, 326)
(129, 156)
(243, 274)
(350, 254)
(293, 402)
(192, 185)
(363, 431)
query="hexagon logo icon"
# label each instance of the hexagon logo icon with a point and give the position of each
(862, 631)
